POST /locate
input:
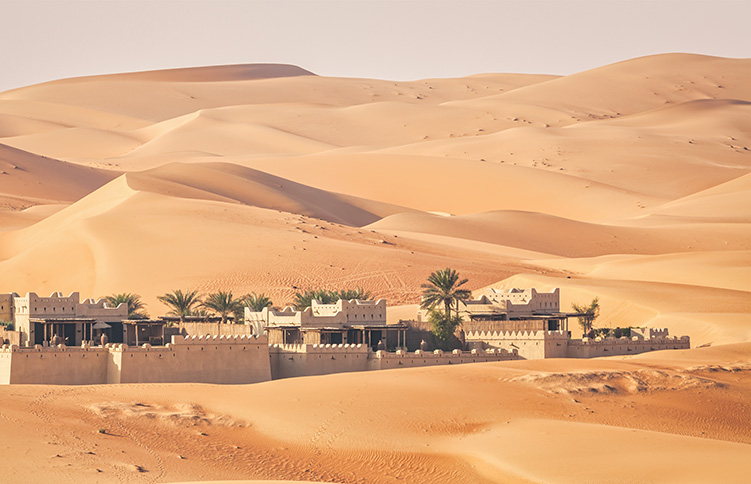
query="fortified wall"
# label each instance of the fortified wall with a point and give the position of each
(593, 348)
(289, 361)
(533, 345)
(196, 359)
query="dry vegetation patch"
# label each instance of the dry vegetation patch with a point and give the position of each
(182, 414)
(616, 382)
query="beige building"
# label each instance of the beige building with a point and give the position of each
(505, 304)
(6, 307)
(40, 318)
(345, 322)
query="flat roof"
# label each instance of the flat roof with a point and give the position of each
(62, 320)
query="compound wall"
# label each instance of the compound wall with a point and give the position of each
(382, 360)
(199, 360)
(593, 348)
(530, 345)
(289, 361)
(535, 345)
(305, 360)
(195, 359)
(62, 365)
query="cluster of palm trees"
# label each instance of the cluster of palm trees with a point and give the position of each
(135, 305)
(302, 299)
(191, 303)
(184, 304)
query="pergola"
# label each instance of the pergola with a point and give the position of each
(60, 327)
(365, 333)
(144, 331)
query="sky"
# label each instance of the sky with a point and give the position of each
(44, 40)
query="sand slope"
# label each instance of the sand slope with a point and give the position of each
(27, 179)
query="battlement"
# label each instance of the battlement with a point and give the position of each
(51, 350)
(649, 333)
(492, 353)
(217, 340)
(662, 339)
(313, 348)
(520, 335)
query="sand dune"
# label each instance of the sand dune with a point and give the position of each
(226, 182)
(574, 239)
(27, 179)
(638, 85)
(435, 184)
(658, 153)
(93, 240)
(726, 202)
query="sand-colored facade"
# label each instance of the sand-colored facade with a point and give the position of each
(499, 325)
(6, 307)
(197, 359)
(39, 318)
(355, 321)
(306, 360)
(534, 345)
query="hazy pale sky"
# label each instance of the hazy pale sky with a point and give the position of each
(44, 40)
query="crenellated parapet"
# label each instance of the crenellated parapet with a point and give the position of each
(515, 335)
(42, 350)
(316, 349)
(218, 340)
(596, 347)
(490, 353)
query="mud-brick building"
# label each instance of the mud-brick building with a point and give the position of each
(39, 319)
(355, 321)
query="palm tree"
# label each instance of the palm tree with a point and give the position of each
(223, 303)
(303, 298)
(181, 303)
(257, 302)
(356, 293)
(443, 288)
(135, 305)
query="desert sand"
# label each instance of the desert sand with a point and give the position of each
(630, 182)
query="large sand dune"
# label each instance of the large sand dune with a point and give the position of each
(629, 182)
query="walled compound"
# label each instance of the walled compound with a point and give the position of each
(324, 338)
(530, 323)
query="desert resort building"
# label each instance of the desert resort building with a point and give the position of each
(62, 340)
